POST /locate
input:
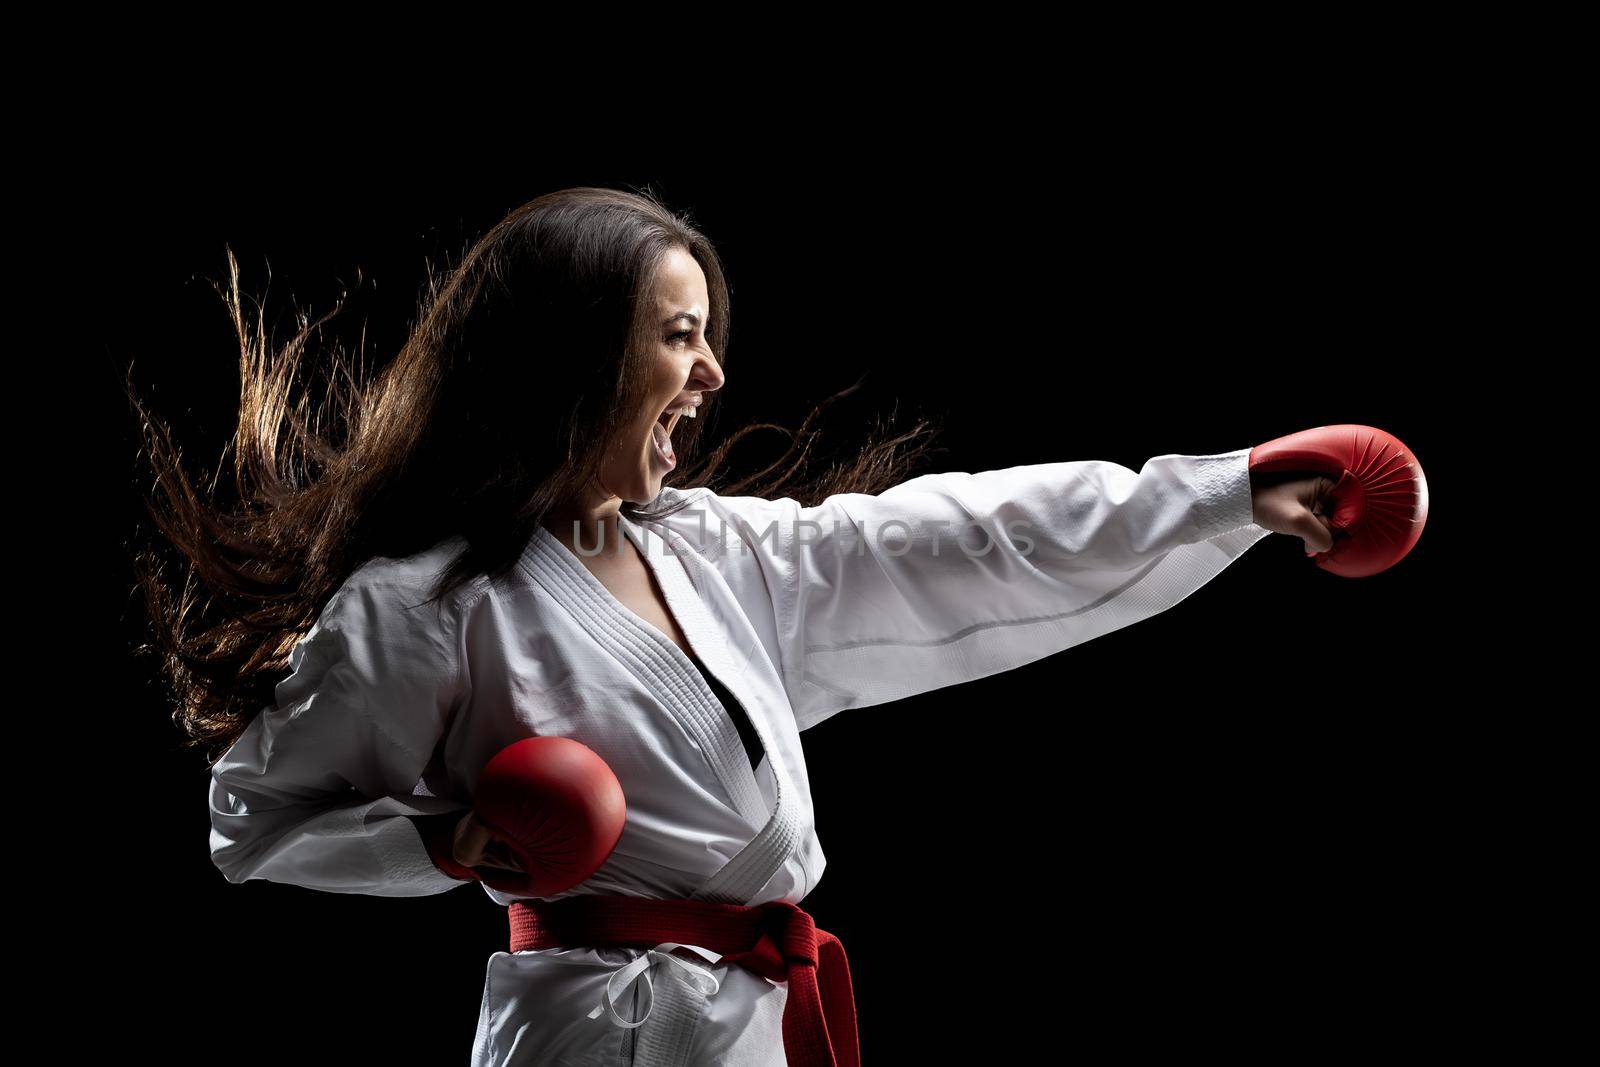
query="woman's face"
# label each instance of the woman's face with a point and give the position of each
(682, 371)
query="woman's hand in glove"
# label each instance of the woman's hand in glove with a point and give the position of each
(474, 845)
(1289, 502)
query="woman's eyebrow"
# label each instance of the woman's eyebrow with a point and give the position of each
(694, 320)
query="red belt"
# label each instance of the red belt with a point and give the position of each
(777, 940)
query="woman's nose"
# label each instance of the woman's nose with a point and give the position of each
(707, 377)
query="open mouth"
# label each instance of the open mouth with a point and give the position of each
(661, 432)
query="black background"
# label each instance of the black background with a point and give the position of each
(1246, 823)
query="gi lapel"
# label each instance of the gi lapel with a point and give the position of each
(655, 660)
(663, 666)
(670, 557)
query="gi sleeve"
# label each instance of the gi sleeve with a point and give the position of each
(318, 790)
(951, 577)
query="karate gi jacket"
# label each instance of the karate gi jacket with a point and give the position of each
(391, 709)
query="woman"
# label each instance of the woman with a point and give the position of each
(429, 580)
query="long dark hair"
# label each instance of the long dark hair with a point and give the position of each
(551, 302)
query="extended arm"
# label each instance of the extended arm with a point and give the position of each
(952, 577)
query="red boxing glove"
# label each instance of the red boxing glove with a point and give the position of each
(1379, 501)
(554, 804)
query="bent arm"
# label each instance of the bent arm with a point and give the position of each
(319, 790)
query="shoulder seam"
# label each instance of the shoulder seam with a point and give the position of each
(480, 587)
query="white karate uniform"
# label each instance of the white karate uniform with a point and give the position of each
(391, 710)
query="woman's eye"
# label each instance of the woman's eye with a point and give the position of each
(681, 335)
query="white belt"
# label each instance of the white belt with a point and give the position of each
(642, 965)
